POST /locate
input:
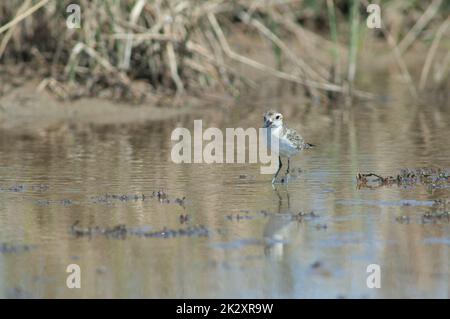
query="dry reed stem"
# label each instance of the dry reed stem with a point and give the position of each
(443, 68)
(308, 39)
(22, 16)
(9, 33)
(205, 54)
(354, 37)
(399, 60)
(81, 47)
(221, 65)
(402, 65)
(426, 17)
(334, 36)
(431, 53)
(282, 75)
(134, 15)
(173, 63)
(280, 44)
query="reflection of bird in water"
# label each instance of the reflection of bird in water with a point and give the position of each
(290, 143)
(277, 228)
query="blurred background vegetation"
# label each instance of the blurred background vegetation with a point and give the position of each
(130, 49)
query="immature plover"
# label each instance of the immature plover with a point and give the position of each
(289, 141)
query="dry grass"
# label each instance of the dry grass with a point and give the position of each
(174, 46)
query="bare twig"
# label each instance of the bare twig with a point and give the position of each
(431, 53)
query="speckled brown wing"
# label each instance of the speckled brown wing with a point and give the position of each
(296, 139)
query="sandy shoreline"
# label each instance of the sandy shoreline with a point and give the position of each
(24, 111)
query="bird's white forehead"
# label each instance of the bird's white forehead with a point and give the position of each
(270, 114)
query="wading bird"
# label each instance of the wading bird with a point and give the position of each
(290, 143)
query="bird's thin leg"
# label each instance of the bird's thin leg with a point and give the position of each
(279, 168)
(288, 201)
(286, 179)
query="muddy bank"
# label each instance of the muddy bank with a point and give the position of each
(27, 112)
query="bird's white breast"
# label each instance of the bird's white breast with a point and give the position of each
(285, 147)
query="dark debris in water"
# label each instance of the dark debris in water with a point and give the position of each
(316, 265)
(247, 215)
(162, 197)
(184, 218)
(180, 201)
(404, 219)
(319, 268)
(20, 188)
(66, 202)
(243, 215)
(122, 232)
(321, 226)
(433, 177)
(436, 217)
(432, 217)
(302, 216)
(43, 202)
(299, 217)
(159, 195)
(63, 202)
(441, 204)
(438, 214)
(7, 248)
(110, 198)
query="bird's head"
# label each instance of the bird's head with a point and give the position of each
(273, 119)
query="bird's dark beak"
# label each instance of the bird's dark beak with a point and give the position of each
(267, 123)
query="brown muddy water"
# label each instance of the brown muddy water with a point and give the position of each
(232, 235)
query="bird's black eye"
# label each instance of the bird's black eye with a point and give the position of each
(277, 117)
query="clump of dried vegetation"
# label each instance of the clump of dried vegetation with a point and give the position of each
(434, 177)
(122, 232)
(174, 46)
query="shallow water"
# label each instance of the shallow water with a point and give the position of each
(258, 245)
